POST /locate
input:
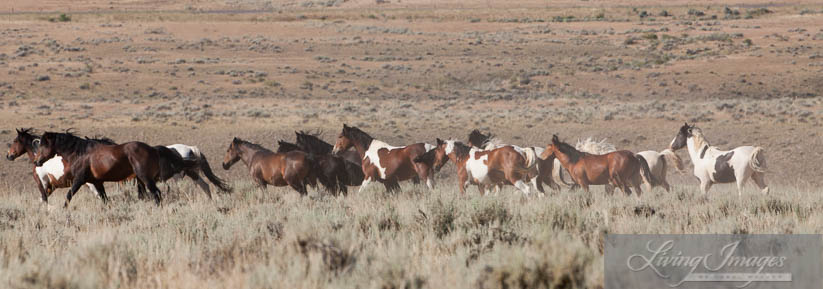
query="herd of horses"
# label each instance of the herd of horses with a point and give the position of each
(63, 159)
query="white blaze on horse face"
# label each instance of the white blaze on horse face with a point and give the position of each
(374, 157)
(449, 146)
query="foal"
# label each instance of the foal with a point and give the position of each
(270, 168)
(620, 168)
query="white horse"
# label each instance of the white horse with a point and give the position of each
(658, 163)
(712, 165)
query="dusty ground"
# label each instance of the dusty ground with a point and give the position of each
(201, 72)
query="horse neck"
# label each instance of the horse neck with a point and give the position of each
(361, 148)
(563, 158)
(247, 152)
(694, 150)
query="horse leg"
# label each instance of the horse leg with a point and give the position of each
(152, 185)
(538, 184)
(482, 189)
(79, 180)
(741, 179)
(759, 180)
(298, 186)
(101, 191)
(705, 185)
(200, 182)
(44, 197)
(461, 183)
(366, 182)
(391, 185)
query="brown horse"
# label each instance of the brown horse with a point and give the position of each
(503, 165)
(54, 173)
(384, 163)
(95, 163)
(270, 168)
(620, 168)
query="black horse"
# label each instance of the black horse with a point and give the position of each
(351, 159)
(323, 168)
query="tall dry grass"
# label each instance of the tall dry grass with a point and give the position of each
(414, 239)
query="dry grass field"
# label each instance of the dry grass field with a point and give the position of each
(201, 72)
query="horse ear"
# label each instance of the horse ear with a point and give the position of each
(439, 141)
(555, 138)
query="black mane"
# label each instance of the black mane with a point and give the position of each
(284, 146)
(357, 135)
(461, 150)
(567, 149)
(478, 139)
(311, 142)
(67, 143)
(238, 141)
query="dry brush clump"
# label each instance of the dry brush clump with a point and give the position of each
(411, 239)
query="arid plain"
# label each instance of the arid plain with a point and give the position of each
(202, 72)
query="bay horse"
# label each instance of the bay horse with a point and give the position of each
(712, 165)
(95, 163)
(385, 163)
(621, 169)
(53, 173)
(324, 168)
(541, 172)
(351, 159)
(496, 167)
(270, 168)
(179, 161)
(658, 165)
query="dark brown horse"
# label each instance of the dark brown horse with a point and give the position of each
(621, 169)
(94, 163)
(270, 168)
(382, 162)
(327, 169)
(173, 164)
(351, 159)
(484, 168)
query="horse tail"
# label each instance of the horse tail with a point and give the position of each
(758, 160)
(531, 157)
(218, 182)
(645, 171)
(557, 173)
(670, 157)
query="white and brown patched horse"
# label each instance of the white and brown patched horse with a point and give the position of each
(712, 165)
(483, 168)
(540, 171)
(385, 163)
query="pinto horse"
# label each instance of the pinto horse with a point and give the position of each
(270, 168)
(351, 160)
(712, 165)
(621, 169)
(52, 174)
(95, 163)
(542, 170)
(385, 163)
(503, 165)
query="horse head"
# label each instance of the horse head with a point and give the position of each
(25, 141)
(232, 153)
(683, 134)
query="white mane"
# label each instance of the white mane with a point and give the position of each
(699, 139)
(592, 146)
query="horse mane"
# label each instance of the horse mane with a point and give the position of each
(69, 143)
(358, 135)
(284, 146)
(589, 145)
(478, 139)
(492, 143)
(461, 150)
(250, 144)
(313, 143)
(699, 139)
(567, 149)
(27, 133)
(102, 140)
